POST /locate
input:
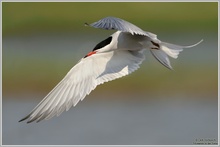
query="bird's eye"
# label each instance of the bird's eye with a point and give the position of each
(103, 43)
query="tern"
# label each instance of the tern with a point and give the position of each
(115, 57)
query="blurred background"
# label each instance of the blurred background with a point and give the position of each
(152, 106)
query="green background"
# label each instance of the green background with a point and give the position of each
(42, 41)
(25, 18)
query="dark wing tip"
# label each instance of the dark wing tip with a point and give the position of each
(23, 119)
(30, 121)
(86, 24)
(26, 117)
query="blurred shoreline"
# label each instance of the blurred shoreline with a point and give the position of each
(38, 63)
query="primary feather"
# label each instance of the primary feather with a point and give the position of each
(113, 23)
(83, 78)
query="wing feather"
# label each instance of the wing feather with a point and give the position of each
(162, 57)
(113, 23)
(83, 78)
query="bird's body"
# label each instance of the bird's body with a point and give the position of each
(117, 56)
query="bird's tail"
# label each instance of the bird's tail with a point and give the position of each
(167, 49)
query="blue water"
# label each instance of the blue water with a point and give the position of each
(128, 120)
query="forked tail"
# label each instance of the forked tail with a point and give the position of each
(170, 50)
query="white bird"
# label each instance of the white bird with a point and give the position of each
(115, 57)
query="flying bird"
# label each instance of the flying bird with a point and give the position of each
(118, 55)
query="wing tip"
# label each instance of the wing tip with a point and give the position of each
(23, 119)
(86, 24)
(27, 117)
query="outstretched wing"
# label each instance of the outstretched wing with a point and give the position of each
(113, 23)
(83, 78)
